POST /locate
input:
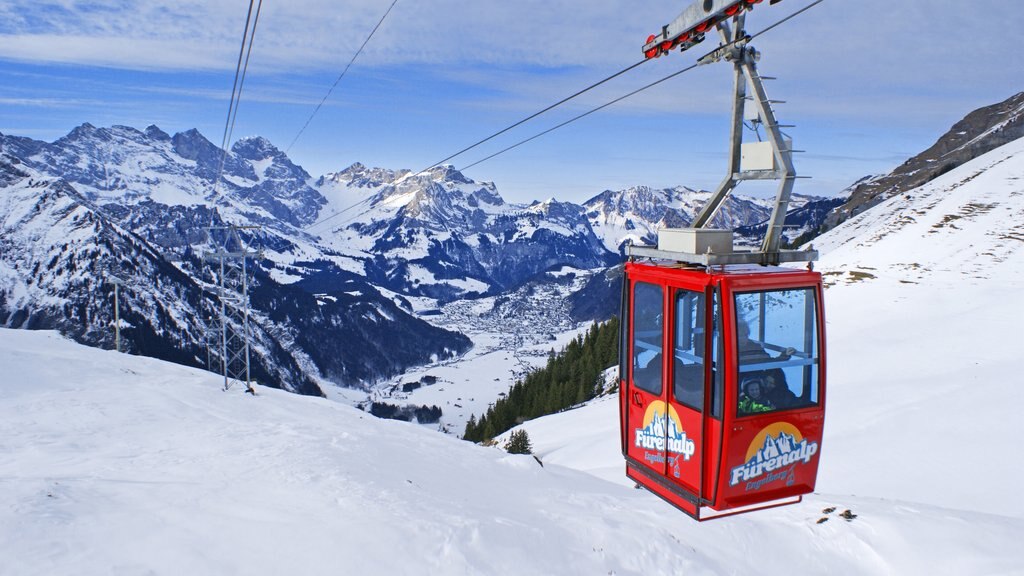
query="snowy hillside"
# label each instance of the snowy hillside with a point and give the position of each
(120, 464)
(964, 227)
(981, 131)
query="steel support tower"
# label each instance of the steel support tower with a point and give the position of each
(232, 352)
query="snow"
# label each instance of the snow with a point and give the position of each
(120, 464)
(421, 275)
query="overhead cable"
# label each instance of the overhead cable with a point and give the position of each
(342, 75)
(580, 116)
(532, 116)
(788, 18)
(637, 91)
(492, 136)
(248, 36)
(585, 114)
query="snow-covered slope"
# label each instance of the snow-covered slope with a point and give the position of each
(960, 229)
(125, 465)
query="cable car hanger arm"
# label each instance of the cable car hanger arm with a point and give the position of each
(688, 29)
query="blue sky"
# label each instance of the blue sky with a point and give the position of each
(867, 82)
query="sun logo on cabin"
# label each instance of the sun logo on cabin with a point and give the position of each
(656, 410)
(773, 430)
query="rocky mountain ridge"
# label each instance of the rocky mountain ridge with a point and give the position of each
(979, 132)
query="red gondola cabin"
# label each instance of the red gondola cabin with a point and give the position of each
(722, 384)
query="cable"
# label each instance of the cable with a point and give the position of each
(245, 68)
(342, 75)
(585, 114)
(492, 136)
(788, 18)
(335, 215)
(238, 70)
(236, 90)
(532, 116)
(580, 116)
(651, 85)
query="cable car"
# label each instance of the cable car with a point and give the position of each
(722, 351)
(722, 384)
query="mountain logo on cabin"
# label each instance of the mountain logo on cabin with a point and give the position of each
(770, 456)
(662, 431)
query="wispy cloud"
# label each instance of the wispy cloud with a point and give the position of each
(51, 102)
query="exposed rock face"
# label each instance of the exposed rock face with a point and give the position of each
(979, 132)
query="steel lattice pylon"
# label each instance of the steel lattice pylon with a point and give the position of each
(231, 352)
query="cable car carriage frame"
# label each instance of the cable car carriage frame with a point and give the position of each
(722, 352)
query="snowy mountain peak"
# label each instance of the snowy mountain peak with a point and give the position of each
(155, 133)
(257, 148)
(448, 173)
(556, 210)
(83, 130)
(359, 175)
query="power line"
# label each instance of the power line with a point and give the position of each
(342, 75)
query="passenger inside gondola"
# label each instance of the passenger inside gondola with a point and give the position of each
(762, 390)
(765, 391)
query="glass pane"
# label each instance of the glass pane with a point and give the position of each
(777, 343)
(688, 367)
(624, 330)
(647, 331)
(717, 375)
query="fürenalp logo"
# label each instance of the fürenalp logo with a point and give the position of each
(662, 431)
(772, 456)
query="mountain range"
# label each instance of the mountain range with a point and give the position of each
(353, 263)
(349, 260)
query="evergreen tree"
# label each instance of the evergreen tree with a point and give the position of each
(519, 443)
(471, 430)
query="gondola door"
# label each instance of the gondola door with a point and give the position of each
(686, 375)
(664, 392)
(645, 433)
